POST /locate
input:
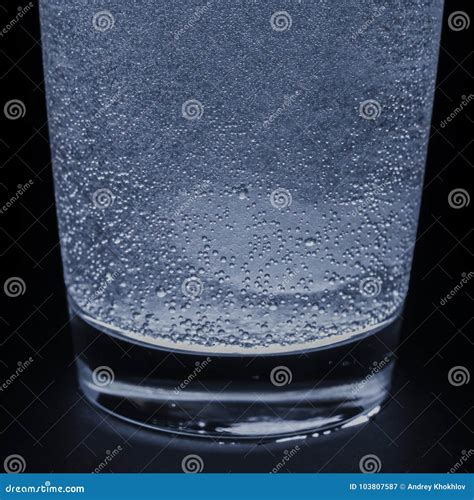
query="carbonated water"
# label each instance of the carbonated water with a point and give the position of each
(239, 176)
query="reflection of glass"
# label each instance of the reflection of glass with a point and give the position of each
(239, 184)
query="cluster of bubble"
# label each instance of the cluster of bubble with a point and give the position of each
(221, 231)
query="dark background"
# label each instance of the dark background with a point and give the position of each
(425, 426)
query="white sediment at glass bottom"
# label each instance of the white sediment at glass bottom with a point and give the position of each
(160, 343)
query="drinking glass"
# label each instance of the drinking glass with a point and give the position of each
(237, 188)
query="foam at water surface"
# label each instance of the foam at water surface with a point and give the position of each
(239, 175)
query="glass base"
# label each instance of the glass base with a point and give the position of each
(236, 397)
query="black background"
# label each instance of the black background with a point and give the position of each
(426, 424)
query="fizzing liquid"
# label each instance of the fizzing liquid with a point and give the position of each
(239, 177)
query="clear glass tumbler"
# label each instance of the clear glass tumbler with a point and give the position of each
(237, 187)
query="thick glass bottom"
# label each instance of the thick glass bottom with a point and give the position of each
(237, 397)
